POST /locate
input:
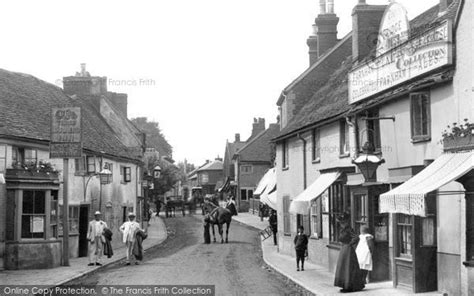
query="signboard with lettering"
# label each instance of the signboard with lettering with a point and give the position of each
(429, 51)
(66, 133)
(394, 28)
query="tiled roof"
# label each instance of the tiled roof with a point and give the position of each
(259, 149)
(328, 102)
(215, 165)
(331, 100)
(26, 102)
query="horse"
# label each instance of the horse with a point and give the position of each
(218, 215)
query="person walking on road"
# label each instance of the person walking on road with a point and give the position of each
(274, 225)
(96, 239)
(364, 252)
(129, 230)
(301, 246)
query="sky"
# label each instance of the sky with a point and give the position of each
(202, 69)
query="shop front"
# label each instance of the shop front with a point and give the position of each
(32, 220)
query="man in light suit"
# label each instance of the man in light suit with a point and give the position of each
(96, 238)
(129, 230)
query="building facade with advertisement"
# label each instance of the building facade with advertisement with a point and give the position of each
(406, 100)
(31, 189)
(400, 98)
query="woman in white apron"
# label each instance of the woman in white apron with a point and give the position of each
(364, 251)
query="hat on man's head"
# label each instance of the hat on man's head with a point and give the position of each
(131, 214)
(97, 213)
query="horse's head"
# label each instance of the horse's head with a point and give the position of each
(208, 207)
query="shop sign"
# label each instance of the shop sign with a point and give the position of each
(418, 56)
(394, 28)
(66, 133)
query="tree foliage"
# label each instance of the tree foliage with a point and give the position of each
(154, 136)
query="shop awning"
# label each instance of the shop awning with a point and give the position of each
(269, 197)
(268, 180)
(302, 203)
(409, 198)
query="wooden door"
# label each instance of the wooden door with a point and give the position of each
(83, 227)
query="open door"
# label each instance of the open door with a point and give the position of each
(83, 226)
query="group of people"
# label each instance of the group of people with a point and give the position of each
(355, 256)
(99, 237)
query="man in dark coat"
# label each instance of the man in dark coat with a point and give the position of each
(274, 225)
(108, 245)
(140, 235)
(301, 245)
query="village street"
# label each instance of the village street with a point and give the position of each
(235, 268)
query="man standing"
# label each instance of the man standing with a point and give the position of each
(128, 230)
(274, 225)
(96, 238)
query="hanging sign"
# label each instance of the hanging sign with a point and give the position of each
(66, 133)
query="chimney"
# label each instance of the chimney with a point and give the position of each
(324, 31)
(237, 138)
(365, 27)
(443, 6)
(83, 84)
(258, 126)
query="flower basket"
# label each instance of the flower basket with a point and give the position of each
(458, 143)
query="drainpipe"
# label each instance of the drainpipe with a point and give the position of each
(304, 159)
(356, 134)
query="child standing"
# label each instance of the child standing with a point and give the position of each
(301, 245)
(364, 251)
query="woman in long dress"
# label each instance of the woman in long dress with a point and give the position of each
(348, 275)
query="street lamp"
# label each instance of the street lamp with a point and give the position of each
(146, 184)
(368, 162)
(156, 172)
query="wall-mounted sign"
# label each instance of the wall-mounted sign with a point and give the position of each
(66, 133)
(394, 28)
(417, 56)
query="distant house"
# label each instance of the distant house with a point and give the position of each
(209, 176)
(31, 190)
(245, 163)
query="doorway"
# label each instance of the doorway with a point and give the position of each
(83, 227)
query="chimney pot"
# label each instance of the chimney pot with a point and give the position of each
(330, 6)
(237, 137)
(322, 6)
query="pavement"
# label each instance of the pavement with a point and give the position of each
(78, 266)
(315, 278)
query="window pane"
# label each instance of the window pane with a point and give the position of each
(428, 231)
(39, 203)
(28, 201)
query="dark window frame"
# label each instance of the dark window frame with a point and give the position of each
(420, 116)
(316, 145)
(344, 149)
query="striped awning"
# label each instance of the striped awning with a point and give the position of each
(302, 203)
(409, 198)
(268, 180)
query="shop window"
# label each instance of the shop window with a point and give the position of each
(73, 219)
(3, 158)
(316, 227)
(285, 156)
(246, 169)
(343, 138)
(420, 116)
(316, 146)
(339, 203)
(286, 215)
(33, 215)
(361, 208)
(54, 215)
(250, 193)
(404, 232)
